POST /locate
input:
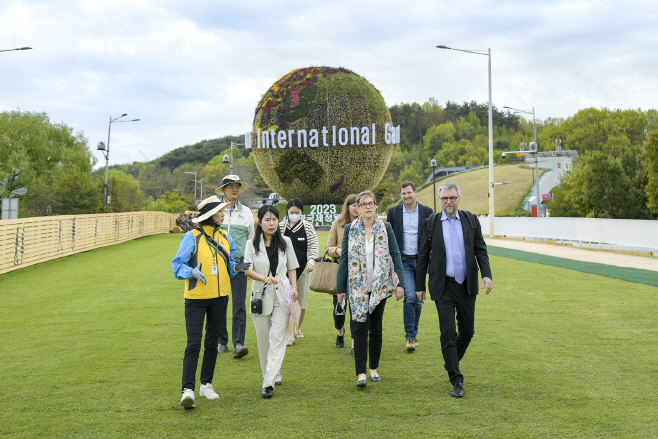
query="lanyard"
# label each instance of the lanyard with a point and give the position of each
(213, 249)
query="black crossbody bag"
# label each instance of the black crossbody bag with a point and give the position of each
(256, 305)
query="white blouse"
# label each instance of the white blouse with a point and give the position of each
(370, 261)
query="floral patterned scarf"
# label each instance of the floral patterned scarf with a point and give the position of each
(384, 279)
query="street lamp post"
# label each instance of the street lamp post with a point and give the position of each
(225, 159)
(491, 164)
(146, 174)
(20, 48)
(534, 149)
(193, 173)
(106, 152)
(434, 166)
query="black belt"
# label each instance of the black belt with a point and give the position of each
(410, 256)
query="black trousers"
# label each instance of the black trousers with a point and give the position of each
(214, 313)
(238, 301)
(339, 321)
(455, 341)
(368, 337)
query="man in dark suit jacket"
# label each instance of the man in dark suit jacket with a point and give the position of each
(452, 249)
(407, 222)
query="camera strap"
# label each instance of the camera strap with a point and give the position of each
(264, 286)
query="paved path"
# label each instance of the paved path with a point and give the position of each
(638, 269)
(577, 254)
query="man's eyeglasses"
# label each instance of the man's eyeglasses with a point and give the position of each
(446, 199)
(367, 205)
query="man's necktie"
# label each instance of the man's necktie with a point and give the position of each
(456, 252)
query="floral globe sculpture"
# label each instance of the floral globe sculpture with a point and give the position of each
(319, 135)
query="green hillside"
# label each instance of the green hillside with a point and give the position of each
(473, 186)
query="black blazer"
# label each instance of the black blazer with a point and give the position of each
(433, 260)
(398, 224)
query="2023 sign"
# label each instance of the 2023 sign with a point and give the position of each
(322, 214)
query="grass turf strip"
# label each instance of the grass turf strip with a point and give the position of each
(637, 275)
(92, 346)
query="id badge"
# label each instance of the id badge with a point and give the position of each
(213, 270)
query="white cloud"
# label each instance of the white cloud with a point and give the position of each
(196, 70)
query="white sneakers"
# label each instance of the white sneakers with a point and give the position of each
(208, 392)
(187, 400)
(205, 390)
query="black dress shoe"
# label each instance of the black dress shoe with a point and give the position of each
(458, 390)
(277, 383)
(267, 392)
(340, 341)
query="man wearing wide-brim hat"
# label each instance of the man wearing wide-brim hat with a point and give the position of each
(239, 223)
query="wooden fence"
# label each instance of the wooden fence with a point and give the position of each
(28, 241)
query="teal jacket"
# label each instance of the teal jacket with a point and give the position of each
(341, 278)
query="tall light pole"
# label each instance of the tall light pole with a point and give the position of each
(225, 159)
(146, 173)
(434, 165)
(193, 173)
(106, 152)
(20, 48)
(491, 164)
(534, 149)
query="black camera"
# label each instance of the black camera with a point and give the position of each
(256, 306)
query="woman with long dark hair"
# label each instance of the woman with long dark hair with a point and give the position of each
(274, 286)
(305, 243)
(369, 272)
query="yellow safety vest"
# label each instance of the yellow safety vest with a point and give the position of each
(216, 284)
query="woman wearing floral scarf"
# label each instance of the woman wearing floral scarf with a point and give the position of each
(369, 273)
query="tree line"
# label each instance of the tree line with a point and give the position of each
(50, 167)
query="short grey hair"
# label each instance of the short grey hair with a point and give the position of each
(449, 185)
(366, 193)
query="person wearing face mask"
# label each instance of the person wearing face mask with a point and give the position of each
(305, 243)
(348, 214)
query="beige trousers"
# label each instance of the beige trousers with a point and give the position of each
(271, 332)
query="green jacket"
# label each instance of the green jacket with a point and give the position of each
(341, 278)
(239, 223)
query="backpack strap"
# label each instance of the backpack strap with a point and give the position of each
(432, 222)
(471, 219)
(393, 213)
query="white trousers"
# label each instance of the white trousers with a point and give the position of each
(271, 333)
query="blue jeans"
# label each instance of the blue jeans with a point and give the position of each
(412, 306)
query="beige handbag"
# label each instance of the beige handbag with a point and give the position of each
(324, 276)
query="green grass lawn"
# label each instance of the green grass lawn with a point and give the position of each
(92, 346)
(474, 189)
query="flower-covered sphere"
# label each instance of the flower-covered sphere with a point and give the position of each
(321, 98)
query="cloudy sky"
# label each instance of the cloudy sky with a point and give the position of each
(196, 70)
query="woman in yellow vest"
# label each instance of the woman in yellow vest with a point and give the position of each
(205, 260)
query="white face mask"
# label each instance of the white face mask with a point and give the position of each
(294, 217)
